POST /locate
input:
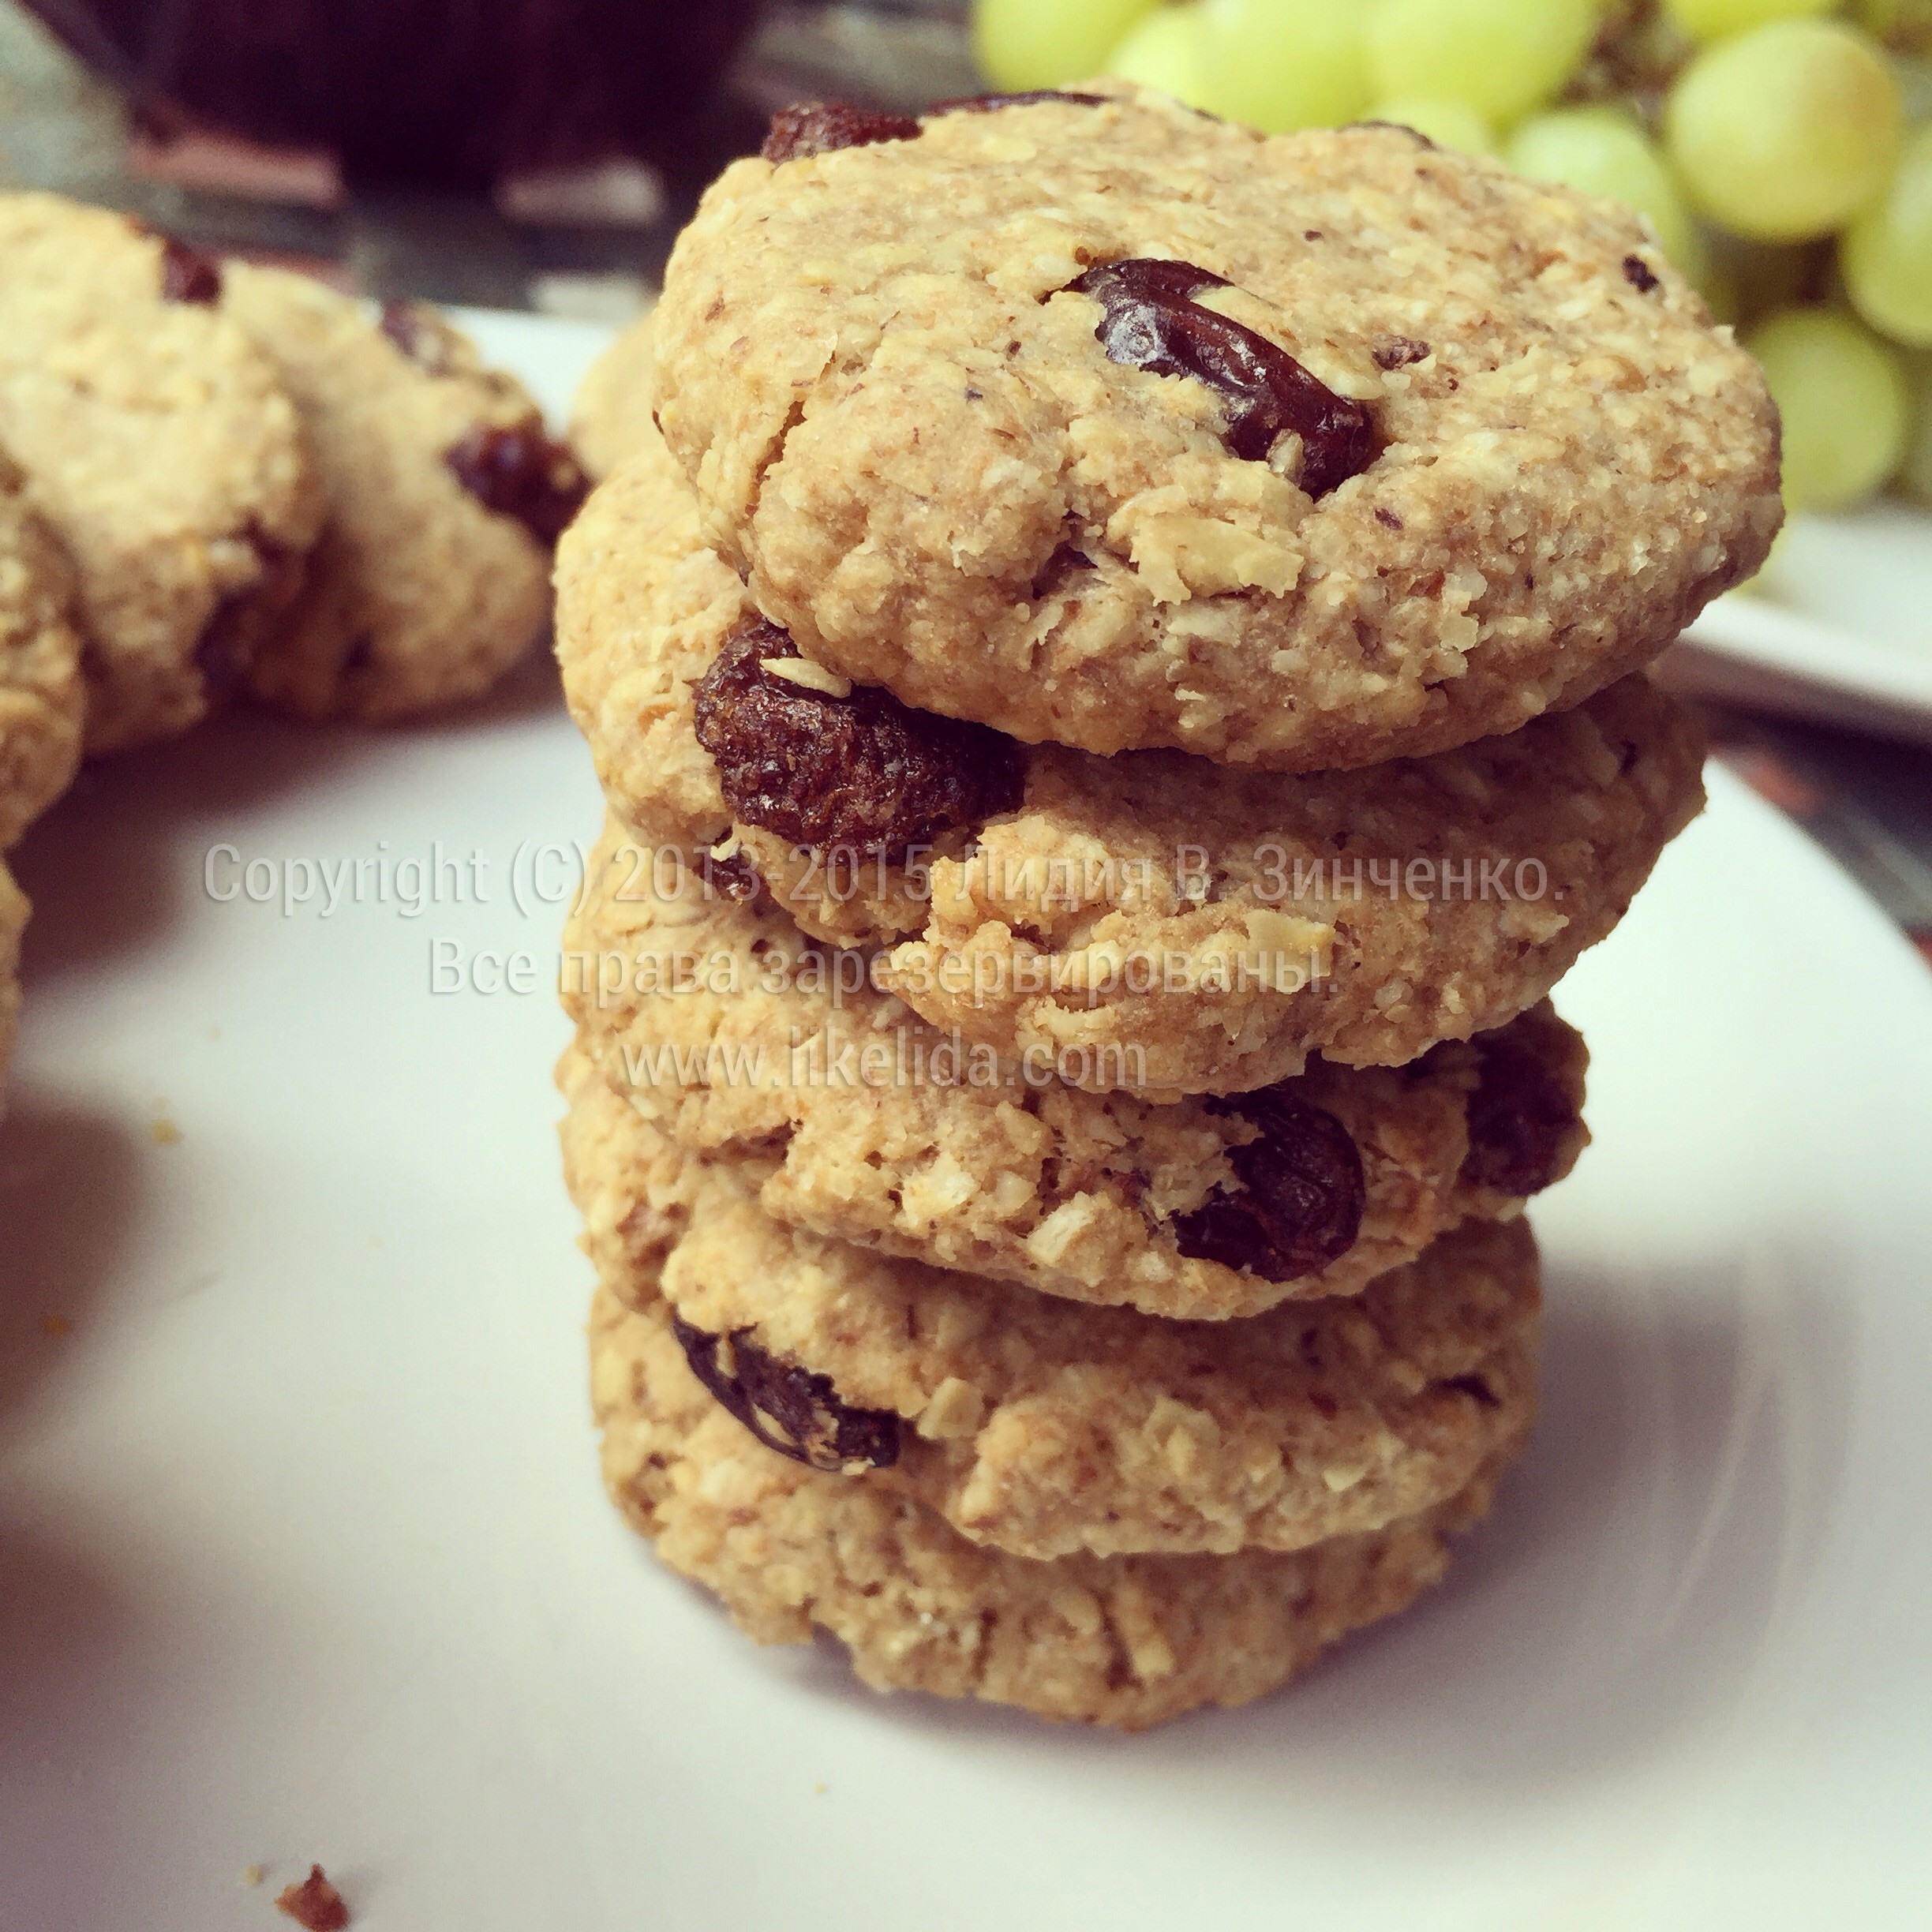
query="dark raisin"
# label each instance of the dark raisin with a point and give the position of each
(188, 273)
(1149, 321)
(1638, 273)
(862, 773)
(991, 103)
(1519, 1118)
(1474, 1385)
(420, 333)
(1302, 1192)
(226, 649)
(1394, 352)
(519, 472)
(733, 878)
(787, 1409)
(818, 127)
(220, 654)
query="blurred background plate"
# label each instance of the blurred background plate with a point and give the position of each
(1838, 627)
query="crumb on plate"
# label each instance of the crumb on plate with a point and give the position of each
(314, 1904)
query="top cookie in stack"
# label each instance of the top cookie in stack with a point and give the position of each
(1100, 422)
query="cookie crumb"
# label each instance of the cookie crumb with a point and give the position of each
(162, 1132)
(55, 1326)
(253, 1875)
(314, 1904)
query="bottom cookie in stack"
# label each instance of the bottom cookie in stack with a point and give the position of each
(1095, 1514)
(1130, 1641)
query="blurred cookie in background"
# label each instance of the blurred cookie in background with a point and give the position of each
(444, 495)
(158, 443)
(42, 702)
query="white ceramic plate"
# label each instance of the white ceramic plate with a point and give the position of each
(302, 1554)
(1838, 627)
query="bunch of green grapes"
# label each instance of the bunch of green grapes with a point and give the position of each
(1780, 151)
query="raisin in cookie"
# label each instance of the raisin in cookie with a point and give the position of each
(13, 910)
(1044, 1429)
(1167, 922)
(1103, 423)
(1129, 1641)
(610, 417)
(159, 444)
(42, 702)
(725, 1027)
(430, 577)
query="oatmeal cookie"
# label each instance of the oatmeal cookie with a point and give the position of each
(610, 417)
(725, 1028)
(1044, 1429)
(42, 702)
(1129, 1641)
(159, 442)
(432, 576)
(1207, 927)
(1101, 421)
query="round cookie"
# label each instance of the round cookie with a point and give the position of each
(610, 417)
(42, 702)
(725, 1028)
(159, 444)
(13, 912)
(1043, 1428)
(1201, 930)
(444, 495)
(1471, 449)
(1130, 1641)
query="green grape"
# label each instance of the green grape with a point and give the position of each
(1718, 20)
(1786, 132)
(1045, 43)
(1886, 254)
(1447, 123)
(1915, 475)
(1843, 396)
(1163, 52)
(1282, 64)
(1603, 152)
(1500, 56)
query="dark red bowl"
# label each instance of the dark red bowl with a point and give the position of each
(454, 92)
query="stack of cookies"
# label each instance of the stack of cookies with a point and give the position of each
(1114, 660)
(216, 478)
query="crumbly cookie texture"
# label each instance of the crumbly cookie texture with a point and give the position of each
(643, 606)
(419, 594)
(1242, 921)
(1149, 919)
(610, 417)
(159, 444)
(1044, 1429)
(1128, 1640)
(43, 703)
(735, 1035)
(13, 912)
(900, 421)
